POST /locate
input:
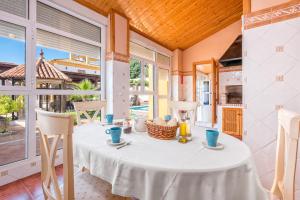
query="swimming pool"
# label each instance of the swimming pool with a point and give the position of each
(141, 108)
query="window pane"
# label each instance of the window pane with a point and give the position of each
(64, 63)
(163, 81)
(12, 129)
(135, 75)
(12, 54)
(57, 19)
(163, 107)
(16, 7)
(62, 104)
(141, 51)
(141, 105)
(149, 77)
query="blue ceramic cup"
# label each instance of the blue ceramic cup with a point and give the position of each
(109, 118)
(212, 137)
(168, 117)
(115, 133)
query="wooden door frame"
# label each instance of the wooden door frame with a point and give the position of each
(215, 83)
(194, 74)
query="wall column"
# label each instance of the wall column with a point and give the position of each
(117, 65)
(177, 76)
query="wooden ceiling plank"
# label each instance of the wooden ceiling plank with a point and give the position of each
(172, 23)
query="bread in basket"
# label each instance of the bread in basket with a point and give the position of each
(161, 132)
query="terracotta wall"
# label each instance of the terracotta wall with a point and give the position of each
(261, 4)
(121, 35)
(213, 46)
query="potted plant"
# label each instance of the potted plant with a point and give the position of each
(7, 107)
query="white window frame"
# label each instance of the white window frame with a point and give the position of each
(31, 164)
(154, 93)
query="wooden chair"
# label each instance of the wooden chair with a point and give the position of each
(189, 107)
(60, 126)
(83, 107)
(286, 158)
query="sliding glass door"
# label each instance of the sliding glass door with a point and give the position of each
(14, 81)
(142, 78)
(149, 82)
(49, 58)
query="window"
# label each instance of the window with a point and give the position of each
(13, 137)
(12, 54)
(141, 105)
(163, 91)
(74, 61)
(149, 82)
(48, 63)
(141, 81)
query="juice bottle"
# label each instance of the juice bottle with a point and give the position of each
(182, 131)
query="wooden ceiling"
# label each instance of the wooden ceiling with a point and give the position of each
(173, 23)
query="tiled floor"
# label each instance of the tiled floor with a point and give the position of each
(26, 189)
(30, 189)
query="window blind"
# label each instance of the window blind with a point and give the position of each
(58, 42)
(162, 59)
(57, 19)
(12, 31)
(16, 7)
(141, 51)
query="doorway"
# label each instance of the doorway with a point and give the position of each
(205, 91)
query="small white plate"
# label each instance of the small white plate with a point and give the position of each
(105, 124)
(218, 147)
(109, 142)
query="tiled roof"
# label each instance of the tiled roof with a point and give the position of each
(17, 72)
(44, 71)
(7, 65)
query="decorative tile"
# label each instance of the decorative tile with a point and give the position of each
(279, 49)
(272, 15)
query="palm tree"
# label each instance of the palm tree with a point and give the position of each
(85, 84)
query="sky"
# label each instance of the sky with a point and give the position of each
(13, 51)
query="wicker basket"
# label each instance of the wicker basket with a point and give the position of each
(161, 132)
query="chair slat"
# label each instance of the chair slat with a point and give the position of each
(56, 126)
(83, 107)
(286, 157)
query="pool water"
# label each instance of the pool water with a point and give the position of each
(142, 108)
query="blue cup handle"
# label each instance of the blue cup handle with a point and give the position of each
(107, 131)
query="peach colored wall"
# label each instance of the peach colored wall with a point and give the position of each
(213, 46)
(121, 31)
(261, 4)
(177, 60)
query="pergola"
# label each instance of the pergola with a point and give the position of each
(47, 76)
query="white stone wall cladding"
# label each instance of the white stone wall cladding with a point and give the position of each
(187, 88)
(117, 88)
(271, 80)
(176, 88)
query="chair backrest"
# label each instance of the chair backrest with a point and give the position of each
(189, 106)
(286, 157)
(83, 107)
(56, 126)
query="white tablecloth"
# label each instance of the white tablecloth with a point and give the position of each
(151, 169)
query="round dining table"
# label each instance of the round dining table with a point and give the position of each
(153, 169)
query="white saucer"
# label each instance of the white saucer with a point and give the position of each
(218, 147)
(109, 142)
